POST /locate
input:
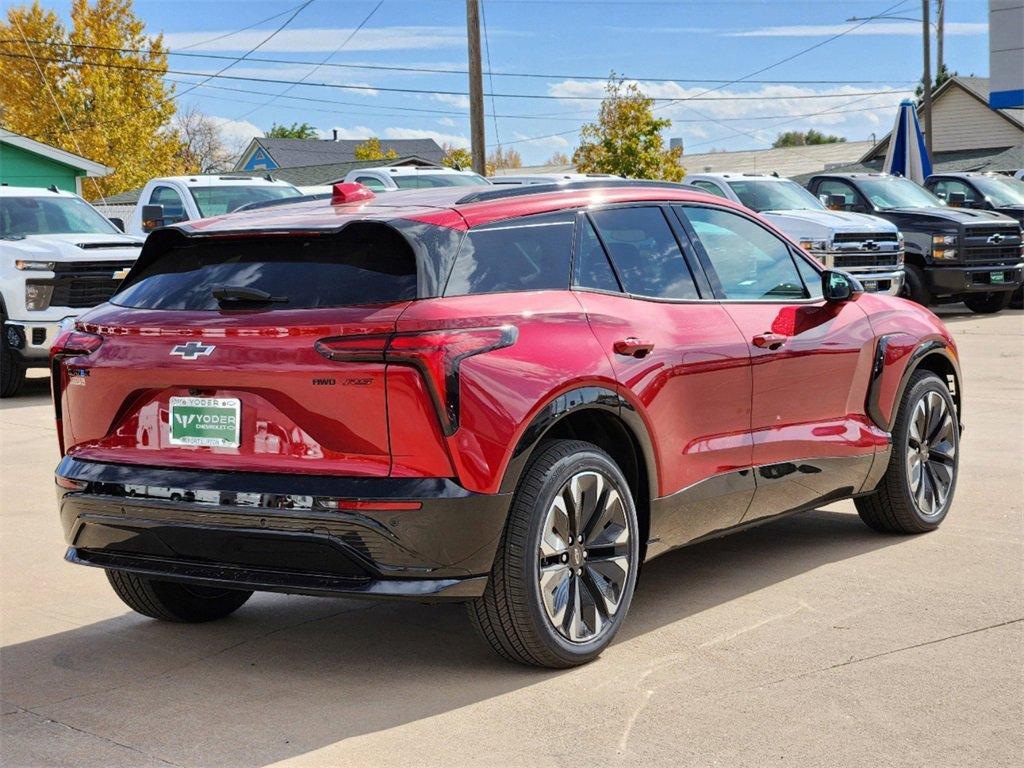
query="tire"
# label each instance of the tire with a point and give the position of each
(171, 601)
(12, 368)
(1017, 299)
(988, 303)
(898, 505)
(914, 287)
(592, 581)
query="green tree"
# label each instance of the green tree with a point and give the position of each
(456, 157)
(372, 150)
(293, 131)
(105, 80)
(941, 76)
(805, 138)
(626, 139)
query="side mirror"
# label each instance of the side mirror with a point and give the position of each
(835, 202)
(956, 199)
(839, 286)
(117, 222)
(152, 217)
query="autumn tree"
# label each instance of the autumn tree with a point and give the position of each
(94, 88)
(293, 131)
(456, 157)
(372, 150)
(805, 138)
(626, 139)
(558, 158)
(202, 148)
(499, 158)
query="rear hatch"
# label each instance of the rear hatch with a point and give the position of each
(207, 355)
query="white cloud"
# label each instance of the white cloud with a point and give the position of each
(322, 39)
(447, 122)
(758, 114)
(907, 28)
(419, 133)
(456, 100)
(236, 134)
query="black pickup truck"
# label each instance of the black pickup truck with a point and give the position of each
(952, 254)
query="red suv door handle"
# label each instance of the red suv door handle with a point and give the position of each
(633, 347)
(770, 341)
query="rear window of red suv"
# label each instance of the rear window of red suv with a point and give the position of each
(366, 263)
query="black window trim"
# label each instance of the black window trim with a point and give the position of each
(577, 239)
(661, 205)
(716, 285)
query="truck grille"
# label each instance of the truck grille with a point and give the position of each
(992, 244)
(84, 284)
(869, 259)
(860, 237)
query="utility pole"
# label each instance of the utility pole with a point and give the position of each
(939, 34)
(476, 88)
(927, 79)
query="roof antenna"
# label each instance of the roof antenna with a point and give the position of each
(269, 177)
(53, 188)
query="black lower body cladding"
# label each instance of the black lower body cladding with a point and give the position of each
(374, 537)
(958, 280)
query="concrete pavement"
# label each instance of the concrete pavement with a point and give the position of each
(808, 641)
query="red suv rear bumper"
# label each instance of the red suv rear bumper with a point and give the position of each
(426, 538)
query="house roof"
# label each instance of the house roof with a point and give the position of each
(978, 87)
(786, 161)
(90, 167)
(297, 153)
(316, 175)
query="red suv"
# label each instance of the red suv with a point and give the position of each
(511, 398)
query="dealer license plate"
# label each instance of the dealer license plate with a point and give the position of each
(209, 421)
(997, 277)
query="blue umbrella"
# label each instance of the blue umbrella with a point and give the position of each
(907, 155)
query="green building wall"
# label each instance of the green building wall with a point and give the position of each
(19, 168)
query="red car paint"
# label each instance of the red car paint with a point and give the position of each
(726, 386)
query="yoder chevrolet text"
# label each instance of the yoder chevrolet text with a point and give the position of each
(508, 397)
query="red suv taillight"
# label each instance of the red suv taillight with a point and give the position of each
(436, 354)
(69, 343)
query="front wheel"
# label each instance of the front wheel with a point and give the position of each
(566, 567)
(988, 303)
(12, 368)
(914, 287)
(917, 489)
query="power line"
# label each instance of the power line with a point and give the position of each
(490, 70)
(344, 42)
(429, 92)
(229, 34)
(462, 72)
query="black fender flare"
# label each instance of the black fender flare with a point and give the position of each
(924, 350)
(575, 400)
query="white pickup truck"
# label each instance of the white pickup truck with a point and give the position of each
(389, 178)
(171, 199)
(868, 247)
(58, 258)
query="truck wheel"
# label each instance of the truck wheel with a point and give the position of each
(914, 287)
(12, 369)
(988, 303)
(566, 566)
(917, 488)
(171, 601)
(1017, 300)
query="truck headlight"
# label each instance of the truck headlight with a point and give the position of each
(37, 296)
(944, 254)
(814, 245)
(46, 266)
(943, 241)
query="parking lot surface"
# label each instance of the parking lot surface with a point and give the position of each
(808, 641)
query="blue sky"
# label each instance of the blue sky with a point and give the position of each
(657, 42)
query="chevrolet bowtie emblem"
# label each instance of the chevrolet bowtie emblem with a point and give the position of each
(193, 350)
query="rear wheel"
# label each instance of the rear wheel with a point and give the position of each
(917, 489)
(566, 566)
(171, 601)
(914, 287)
(988, 303)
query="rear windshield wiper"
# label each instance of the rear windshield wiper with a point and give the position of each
(241, 293)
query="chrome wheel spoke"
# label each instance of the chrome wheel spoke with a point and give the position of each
(607, 578)
(554, 588)
(607, 527)
(587, 488)
(557, 531)
(942, 478)
(931, 453)
(915, 472)
(936, 410)
(918, 424)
